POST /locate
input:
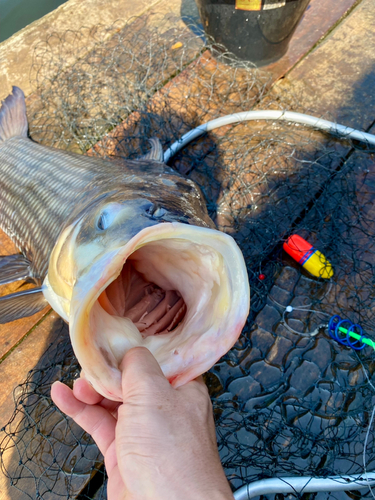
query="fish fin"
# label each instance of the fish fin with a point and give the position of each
(156, 152)
(14, 268)
(13, 120)
(21, 304)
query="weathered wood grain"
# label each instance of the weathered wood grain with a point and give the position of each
(196, 80)
(337, 78)
(37, 431)
(16, 52)
(23, 359)
(318, 19)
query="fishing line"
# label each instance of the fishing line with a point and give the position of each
(334, 327)
(289, 309)
(289, 116)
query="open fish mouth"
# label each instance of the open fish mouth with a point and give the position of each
(181, 291)
(131, 295)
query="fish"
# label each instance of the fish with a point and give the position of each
(124, 251)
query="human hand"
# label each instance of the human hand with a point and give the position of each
(160, 443)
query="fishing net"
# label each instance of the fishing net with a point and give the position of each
(288, 399)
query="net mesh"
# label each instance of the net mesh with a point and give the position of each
(288, 400)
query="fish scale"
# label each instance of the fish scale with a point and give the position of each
(44, 191)
(31, 186)
(41, 185)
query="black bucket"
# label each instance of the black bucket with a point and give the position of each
(253, 30)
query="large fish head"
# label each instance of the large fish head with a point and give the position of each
(129, 273)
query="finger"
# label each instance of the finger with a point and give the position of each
(116, 489)
(200, 384)
(200, 380)
(194, 389)
(138, 366)
(111, 406)
(95, 420)
(85, 392)
(195, 383)
(110, 460)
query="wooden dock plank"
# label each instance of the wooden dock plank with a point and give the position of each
(23, 359)
(338, 76)
(13, 371)
(319, 18)
(16, 52)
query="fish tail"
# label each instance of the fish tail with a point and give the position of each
(13, 120)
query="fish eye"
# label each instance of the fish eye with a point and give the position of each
(102, 222)
(156, 212)
(159, 212)
(108, 215)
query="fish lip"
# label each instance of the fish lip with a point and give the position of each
(113, 261)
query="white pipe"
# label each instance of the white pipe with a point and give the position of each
(304, 485)
(289, 116)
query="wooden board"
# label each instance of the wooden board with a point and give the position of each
(23, 359)
(38, 430)
(16, 53)
(319, 18)
(336, 79)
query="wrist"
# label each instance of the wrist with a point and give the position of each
(212, 495)
(220, 490)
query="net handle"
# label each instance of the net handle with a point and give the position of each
(288, 116)
(304, 485)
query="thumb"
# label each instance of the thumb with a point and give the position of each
(140, 368)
